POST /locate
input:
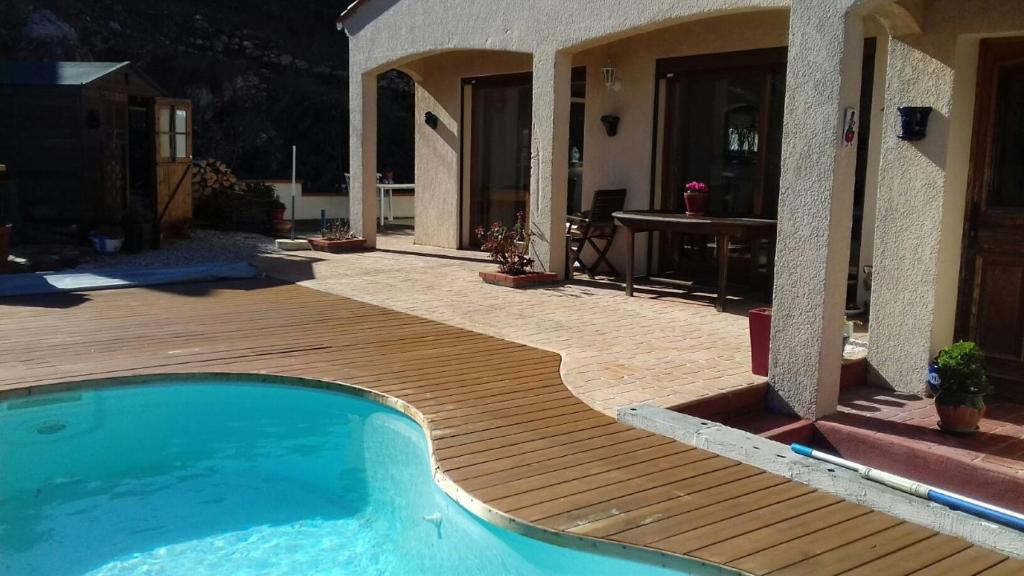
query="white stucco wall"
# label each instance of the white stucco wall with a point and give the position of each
(923, 186)
(438, 158)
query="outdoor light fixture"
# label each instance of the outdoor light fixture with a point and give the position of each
(611, 78)
(431, 120)
(608, 73)
(913, 122)
(611, 124)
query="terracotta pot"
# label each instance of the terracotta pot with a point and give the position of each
(282, 227)
(5, 246)
(277, 214)
(696, 203)
(519, 280)
(336, 246)
(960, 415)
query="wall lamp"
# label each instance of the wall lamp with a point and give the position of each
(431, 120)
(913, 122)
(611, 78)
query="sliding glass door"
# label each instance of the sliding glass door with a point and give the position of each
(499, 150)
(723, 125)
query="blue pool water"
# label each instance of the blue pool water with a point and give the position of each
(233, 478)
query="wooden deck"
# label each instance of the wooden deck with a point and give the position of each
(503, 426)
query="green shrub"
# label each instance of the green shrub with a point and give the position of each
(961, 369)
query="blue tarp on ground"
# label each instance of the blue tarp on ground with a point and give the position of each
(56, 282)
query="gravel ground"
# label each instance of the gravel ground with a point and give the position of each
(202, 247)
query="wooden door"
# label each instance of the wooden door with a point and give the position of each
(173, 121)
(991, 302)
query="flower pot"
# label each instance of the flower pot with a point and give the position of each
(696, 203)
(281, 227)
(5, 245)
(277, 214)
(960, 414)
(518, 280)
(337, 246)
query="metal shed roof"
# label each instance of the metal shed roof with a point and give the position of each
(55, 73)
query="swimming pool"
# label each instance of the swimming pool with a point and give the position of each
(228, 476)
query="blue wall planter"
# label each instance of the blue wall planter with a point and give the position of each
(913, 122)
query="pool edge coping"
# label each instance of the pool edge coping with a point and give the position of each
(473, 505)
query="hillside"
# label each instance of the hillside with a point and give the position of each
(262, 74)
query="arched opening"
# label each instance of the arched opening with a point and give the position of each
(453, 147)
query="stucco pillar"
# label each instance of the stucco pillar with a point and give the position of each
(550, 159)
(815, 208)
(920, 210)
(363, 156)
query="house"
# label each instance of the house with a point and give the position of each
(879, 133)
(87, 143)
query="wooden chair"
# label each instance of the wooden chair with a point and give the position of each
(593, 226)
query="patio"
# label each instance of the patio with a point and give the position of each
(657, 348)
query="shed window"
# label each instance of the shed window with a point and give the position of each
(172, 133)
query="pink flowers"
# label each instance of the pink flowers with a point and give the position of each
(696, 186)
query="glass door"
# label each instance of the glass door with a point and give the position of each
(499, 151)
(723, 126)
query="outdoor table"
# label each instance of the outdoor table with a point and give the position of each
(723, 229)
(382, 189)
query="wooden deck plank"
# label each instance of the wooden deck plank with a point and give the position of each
(502, 424)
(912, 558)
(817, 542)
(735, 546)
(973, 560)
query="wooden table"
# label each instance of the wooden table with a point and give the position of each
(723, 229)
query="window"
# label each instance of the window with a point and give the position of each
(172, 133)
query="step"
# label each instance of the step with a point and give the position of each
(921, 454)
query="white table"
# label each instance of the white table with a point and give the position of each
(388, 189)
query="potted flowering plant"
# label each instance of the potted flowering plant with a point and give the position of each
(508, 247)
(696, 198)
(962, 385)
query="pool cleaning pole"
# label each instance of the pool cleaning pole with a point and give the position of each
(950, 499)
(293, 192)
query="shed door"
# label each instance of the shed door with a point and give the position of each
(173, 121)
(992, 283)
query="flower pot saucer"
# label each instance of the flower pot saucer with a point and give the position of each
(958, 431)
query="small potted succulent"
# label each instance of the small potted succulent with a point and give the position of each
(508, 248)
(337, 237)
(696, 198)
(962, 385)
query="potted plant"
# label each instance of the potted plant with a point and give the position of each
(696, 198)
(962, 386)
(508, 249)
(337, 237)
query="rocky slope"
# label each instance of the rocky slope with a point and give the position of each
(262, 74)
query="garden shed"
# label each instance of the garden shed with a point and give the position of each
(91, 144)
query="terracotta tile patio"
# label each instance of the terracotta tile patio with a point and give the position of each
(656, 348)
(899, 433)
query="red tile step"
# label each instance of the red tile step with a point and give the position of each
(923, 454)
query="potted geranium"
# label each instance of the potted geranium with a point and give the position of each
(696, 198)
(508, 247)
(337, 237)
(962, 386)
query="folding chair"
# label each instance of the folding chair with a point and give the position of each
(587, 228)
